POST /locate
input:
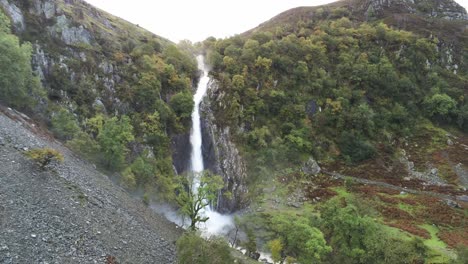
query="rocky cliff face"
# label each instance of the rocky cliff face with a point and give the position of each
(91, 62)
(446, 9)
(221, 156)
(181, 149)
(76, 45)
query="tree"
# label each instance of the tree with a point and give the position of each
(182, 104)
(113, 138)
(276, 247)
(64, 124)
(440, 105)
(84, 144)
(154, 134)
(197, 191)
(18, 85)
(251, 244)
(4, 23)
(354, 147)
(146, 92)
(462, 119)
(191, 248)
(357, 238)
(301, 240)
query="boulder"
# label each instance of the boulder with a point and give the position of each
(311, 167)
(453, 204)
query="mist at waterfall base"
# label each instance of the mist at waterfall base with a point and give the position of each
(217, 223)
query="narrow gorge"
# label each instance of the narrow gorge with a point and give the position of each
(217, 222)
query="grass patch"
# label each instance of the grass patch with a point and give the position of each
(438, 250)
(407, 208)
(342, 192)
(396, 232)
(434, 241)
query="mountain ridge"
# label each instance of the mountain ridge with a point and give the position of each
(365, 10)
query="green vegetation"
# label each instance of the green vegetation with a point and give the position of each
(117, 101)
(357, 238)
(341, 230)
(302, 241)
(193, 197)
(191, 248)
(45, 156)
(434, 242)
(321, 84)
(18, 86)
(64, 124)
(330, 86)
(113, 137)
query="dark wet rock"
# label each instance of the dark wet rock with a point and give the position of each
(221, 156)
(312, 108)
(254, 255)
(181, 150)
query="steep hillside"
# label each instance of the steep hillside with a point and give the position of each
(69, 212)
(341, 102)
(326, 82)
(118, 94)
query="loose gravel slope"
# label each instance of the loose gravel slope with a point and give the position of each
(71, 213)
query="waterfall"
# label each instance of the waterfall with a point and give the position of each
(217, 223)
(196, 159)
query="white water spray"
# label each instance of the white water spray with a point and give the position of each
(196, 159)
(217, 223)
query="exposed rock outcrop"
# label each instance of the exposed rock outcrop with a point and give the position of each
(462, 173)
(221, 156)
(46, 8)
(311, 167)
(69, 34)
(446, 9)
(430, 175)
(15, 14)
(181, 149)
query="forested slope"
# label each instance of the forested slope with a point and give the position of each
(113, 91)
(376, 90)
(344, 87)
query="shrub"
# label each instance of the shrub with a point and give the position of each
(64, 124)
(191, 248)
(44, 156)
(182, 104)
(355, 148)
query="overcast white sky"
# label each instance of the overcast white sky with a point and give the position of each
(198, 19)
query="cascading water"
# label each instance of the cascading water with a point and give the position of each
(216, 223)
(196, 159)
